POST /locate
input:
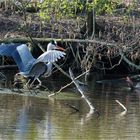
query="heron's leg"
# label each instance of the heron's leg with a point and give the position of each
(27, 84)
(40, 83)
(31, 85)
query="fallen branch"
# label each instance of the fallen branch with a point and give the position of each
(92, 108)
(27, 39)
(53, 94)
(73, 107)
(94, 41)
(125, 109)
(128, 61)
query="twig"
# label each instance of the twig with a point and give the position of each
(40, 46)
(61, 70)
(125, 109)
(73, 107)
(72, 81)
(68, 77)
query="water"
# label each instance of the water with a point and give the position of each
(31, 118)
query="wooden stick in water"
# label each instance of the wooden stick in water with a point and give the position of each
(125, 109)
(73, 107)
(92, 108)
(68, 77)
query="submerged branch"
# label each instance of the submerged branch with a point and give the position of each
(68, 77)
(92, 108)
(73, 107)
(125, 109)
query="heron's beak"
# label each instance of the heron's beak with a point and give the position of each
(60, 48)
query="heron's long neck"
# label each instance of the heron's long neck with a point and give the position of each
(49, 69)
(49, 47)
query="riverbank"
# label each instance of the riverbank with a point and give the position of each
(118, 33)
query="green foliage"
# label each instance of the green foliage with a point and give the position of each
(58, 9)
(105, 6)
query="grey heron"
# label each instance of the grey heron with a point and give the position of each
(29, 66)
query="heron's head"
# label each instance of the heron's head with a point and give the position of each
(53, 46)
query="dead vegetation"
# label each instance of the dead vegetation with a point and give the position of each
(121, 31)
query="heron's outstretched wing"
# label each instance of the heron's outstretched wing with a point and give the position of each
(25, 56)
(51, 56)
(8, 49)
(20, 53)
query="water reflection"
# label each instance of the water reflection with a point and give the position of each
(31, 118)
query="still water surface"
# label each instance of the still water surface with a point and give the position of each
(31, 118)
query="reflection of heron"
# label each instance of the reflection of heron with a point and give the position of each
(28, 65)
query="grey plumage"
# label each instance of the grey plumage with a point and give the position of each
(27, 64)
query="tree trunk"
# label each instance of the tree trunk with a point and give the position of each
(91, 27)
(90, 23)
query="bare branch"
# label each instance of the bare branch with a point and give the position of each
(125, 109)
(92, 108)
